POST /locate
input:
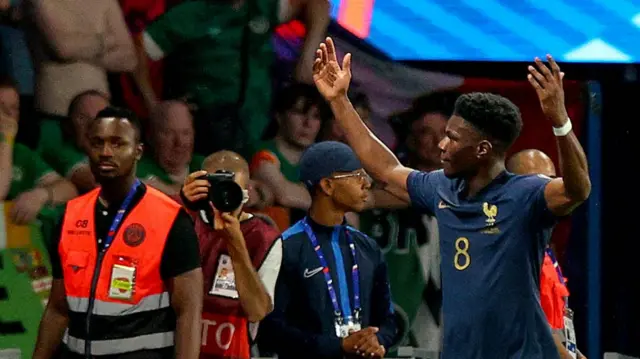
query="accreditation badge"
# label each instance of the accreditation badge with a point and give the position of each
(224, 282)
(123, 279)
(570, 333)
(341, 330)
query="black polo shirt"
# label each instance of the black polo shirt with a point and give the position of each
(181, 252)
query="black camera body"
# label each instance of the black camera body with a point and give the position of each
(225, 194)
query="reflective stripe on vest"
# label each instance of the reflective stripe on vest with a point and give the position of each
(138, 243)
(119, 346)
(151, 302)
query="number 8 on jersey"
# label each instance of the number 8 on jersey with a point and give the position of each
(462, 259)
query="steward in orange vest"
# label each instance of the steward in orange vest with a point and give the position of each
(126, 264)
(241, 257)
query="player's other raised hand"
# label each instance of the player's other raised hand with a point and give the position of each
(331, 80)
(547, 81)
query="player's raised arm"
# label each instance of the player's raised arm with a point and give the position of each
(564, 194)
(332, 82)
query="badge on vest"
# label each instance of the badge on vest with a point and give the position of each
(224, 283)
(123, 279)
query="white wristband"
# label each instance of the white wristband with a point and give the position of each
(564, 130)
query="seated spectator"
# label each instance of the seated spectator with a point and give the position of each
(220, 56)
(74, 43)
(275, 162)
(25, 178)
(171, 138)
(70, 159)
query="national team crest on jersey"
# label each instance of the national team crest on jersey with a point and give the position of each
(491, 211)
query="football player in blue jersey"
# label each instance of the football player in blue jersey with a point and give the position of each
(493, 224)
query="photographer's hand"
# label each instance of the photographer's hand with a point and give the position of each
(195, 189)
(231, 225)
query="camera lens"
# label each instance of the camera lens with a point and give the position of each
(226, 196)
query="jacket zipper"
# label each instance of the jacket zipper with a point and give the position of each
(92, 299)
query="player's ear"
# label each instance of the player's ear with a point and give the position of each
(484, 148)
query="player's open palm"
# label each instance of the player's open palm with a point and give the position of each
(330, 79)
(547, 81)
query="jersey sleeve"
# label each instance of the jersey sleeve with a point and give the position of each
(40, 167)
(268, 273)
(69, 159)
(422, 188)
(532, 187)
(181, 252)
(177, 26)
(261, 157)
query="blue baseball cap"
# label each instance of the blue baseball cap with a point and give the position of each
(323, 159)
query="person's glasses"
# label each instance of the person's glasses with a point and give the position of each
(361, 175)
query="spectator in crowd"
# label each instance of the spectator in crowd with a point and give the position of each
(25, 178)
(554, 294)
(138, 14)
(241, 257)
(14, 53)
(332, 295)
(171, 158)
(73, 44)
(70, 159)
(275, 162)
(410, 238)
(420, 129)
(332, 131)
(125, 261)
(220, 56)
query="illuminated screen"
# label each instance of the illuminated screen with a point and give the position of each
(496, 30)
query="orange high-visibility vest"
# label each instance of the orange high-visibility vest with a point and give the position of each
(121, 309)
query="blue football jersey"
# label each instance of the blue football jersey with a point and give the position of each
(492, 247)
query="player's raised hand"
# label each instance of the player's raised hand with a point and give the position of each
(331, 80)
(547, 81)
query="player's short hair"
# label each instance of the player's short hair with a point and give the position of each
(491, 114)
(122, 114)
(73, 105)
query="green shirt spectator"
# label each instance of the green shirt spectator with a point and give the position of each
(28, 170)
(205, 39)
(149, 169)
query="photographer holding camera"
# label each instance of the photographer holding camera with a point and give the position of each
(240, 254)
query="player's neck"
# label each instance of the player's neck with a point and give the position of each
(115, 191)
(482, 179)
(323, 212)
